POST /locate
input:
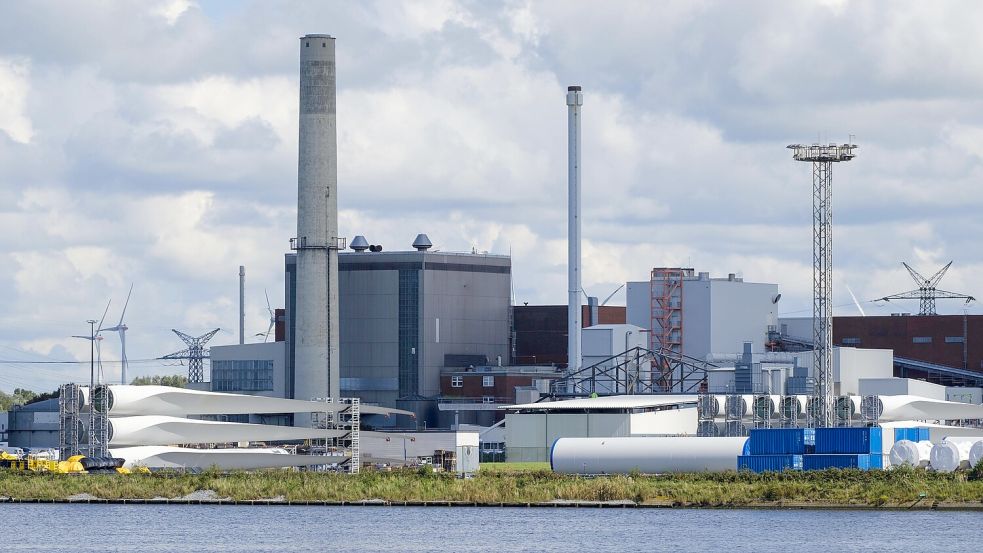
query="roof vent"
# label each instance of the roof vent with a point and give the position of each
(359, 243)
(422, 243)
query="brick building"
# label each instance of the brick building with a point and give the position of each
(951, 340)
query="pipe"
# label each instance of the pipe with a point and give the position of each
(575, 99)
(645, 454)
(242, 304)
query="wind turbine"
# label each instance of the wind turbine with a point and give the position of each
(266, 336)
(121, 328)
(96, 339)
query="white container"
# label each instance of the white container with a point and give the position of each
(907, 452)
(644, 454)
(976, 453)
(950, 455)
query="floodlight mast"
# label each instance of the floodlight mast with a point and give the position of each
(822, 158)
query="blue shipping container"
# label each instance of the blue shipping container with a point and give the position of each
(915, 434)
(782, 441)
(919, 434)
(857, 461)
(773, 463)
(849, 440)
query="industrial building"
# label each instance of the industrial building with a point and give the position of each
(34, 425)
(695, 315)
(407, 315)
(946, 349)
(473, 395)
(541, 330)
(531, 429)
(951, 340)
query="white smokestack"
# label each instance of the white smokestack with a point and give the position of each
(242, 304)
(575, 99)
(316, 343)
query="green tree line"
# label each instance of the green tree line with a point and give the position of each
(22, 396)
(175, 380)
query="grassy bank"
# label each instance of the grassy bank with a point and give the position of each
(888, 488)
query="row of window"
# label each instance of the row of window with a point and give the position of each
(242, 376)
(914, 340)
(486, 381)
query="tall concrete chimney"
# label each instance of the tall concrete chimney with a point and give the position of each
(316, 343)
(575, 99)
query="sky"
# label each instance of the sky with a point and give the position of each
(155, 143)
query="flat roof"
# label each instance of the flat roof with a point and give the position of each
(607, 403)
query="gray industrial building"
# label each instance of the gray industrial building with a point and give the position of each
(34, 425)
(697, 315)
(404, 317)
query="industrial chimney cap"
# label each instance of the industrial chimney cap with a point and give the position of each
(422, 243)
(359, 243)
(574, 88)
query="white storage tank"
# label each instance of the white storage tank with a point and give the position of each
(649, 455)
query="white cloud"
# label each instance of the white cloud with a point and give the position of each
(169, 162)
(171, 10)
(14, 89)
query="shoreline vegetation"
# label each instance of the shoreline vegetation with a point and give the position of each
(500, 484)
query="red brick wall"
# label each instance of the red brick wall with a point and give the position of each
(504, 388)
(897, 332)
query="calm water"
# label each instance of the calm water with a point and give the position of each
(146, 528)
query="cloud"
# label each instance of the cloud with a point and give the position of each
(14, 89)
(155, 143)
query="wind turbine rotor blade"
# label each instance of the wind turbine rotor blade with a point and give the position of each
(855, 302)
(266, 336)
(125, 304)
(98, 328)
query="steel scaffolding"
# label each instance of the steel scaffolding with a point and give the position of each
(822, 158)
(69, 420)
(99, 432)
(348, 420)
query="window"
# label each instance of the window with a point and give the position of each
(954, 339)
(851, 341)
(488, 381)
(409, 332)
(457, 382)
(921, 340)
(242, 376)
(487, 399)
